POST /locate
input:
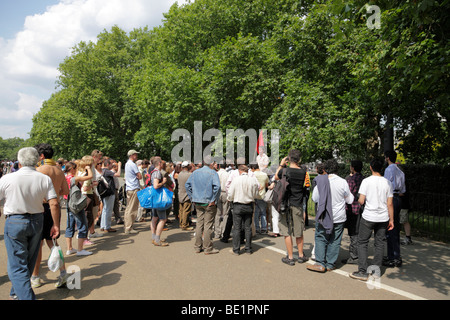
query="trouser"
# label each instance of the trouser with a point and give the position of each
(229, 224)
(221, 216)
(260, 215)
(204, 227)
(23, 234)
(242, 215)
(183, 213)
(365, 232)
(130, 213)
(327, 246)
(393, 236)
(107, 211)
(116, 209)
(352, 225)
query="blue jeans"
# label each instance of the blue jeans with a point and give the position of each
(79, 221)
(108, 208)
(260, 213)
(327, 245)
(23, 233)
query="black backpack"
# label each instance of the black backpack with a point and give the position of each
(280, 192)
(105, 187)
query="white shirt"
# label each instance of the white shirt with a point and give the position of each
(243, 189)
(377, 191)
(25, 190)
(223, 177)
(340, 195)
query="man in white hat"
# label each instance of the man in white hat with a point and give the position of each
(132, 177)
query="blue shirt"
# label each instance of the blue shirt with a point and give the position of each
(396, 177)
(131, 180)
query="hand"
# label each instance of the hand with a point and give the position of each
(54, 232)
(391, 225)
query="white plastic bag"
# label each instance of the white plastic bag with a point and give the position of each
(56, 258)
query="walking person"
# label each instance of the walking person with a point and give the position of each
(24, 191)
(132, 177)
(376, 194)
(329, 231)
(203, 188)
(242, 193)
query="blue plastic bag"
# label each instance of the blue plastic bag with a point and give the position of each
(159, 199)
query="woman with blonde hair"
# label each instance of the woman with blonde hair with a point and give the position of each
(88, 189)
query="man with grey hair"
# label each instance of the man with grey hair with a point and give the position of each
(24, 191)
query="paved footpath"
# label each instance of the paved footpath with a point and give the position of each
(129, 267)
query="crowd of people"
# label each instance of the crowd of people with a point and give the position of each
(212, 200)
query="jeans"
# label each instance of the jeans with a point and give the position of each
(260, 213)
(108, 208)
(23, 234)
(80, 221)
(242, 214)
(327, 245)
(393, 236)
(365, 232)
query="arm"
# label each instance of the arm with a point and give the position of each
(281, 166)
(86, 177)
(56, 216)
(390, 205)
(119, 169)
(362, 199)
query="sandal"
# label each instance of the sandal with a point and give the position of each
(160, 243)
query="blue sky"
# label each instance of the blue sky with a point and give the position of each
(36, 36)
(13, 13)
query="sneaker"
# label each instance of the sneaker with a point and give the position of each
(407, 241)
(62, 280)
(358, 275)
(71, 251)
(302, 259)
(131, 231)
(36, 282)
(87, 242)
(83, 253)
(95, 235)
(288, 261)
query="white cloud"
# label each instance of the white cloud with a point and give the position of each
(29, 62)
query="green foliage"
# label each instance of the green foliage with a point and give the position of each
(311, 69)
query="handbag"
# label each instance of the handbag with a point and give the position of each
(159, 199)
(268, 196)
(76, 200)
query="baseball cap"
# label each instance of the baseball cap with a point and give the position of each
(184, 164)
(131, 152)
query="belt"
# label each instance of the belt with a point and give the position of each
(22, 214)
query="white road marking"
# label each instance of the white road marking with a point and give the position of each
(344, 273)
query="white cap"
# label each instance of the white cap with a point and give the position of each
(131, 152)
(184, 164)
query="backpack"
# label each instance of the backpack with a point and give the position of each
(76, 200)
(280, 194)
(105, 187)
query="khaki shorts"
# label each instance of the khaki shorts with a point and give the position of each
(404, 216)
(292, 223)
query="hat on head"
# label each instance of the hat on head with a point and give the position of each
(184, 164)
(131, 152)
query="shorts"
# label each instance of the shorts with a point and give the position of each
(404, 216)
(292, 223)
(161, 214)
(48, 223)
